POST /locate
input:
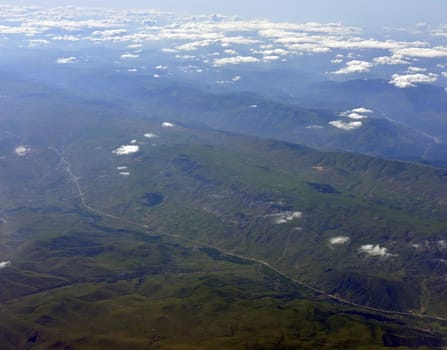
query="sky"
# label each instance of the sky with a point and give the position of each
(365, 13)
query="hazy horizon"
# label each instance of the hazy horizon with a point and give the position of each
(373, 14)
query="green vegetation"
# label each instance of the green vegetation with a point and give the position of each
(119, 289)
(176, 254)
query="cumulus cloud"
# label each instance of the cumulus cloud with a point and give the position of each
(356, 116)
(356, 113)
(121, 167)
(124, 173)
(271, 58)
(374, 250)
(230, 52)
(18, 30)
(38, 42)
(127, 149)
(150, 135)
(362, 110)
(340, 240)
(410, 80)
(422, 52)
(4, 264)
(238, 40)
(194, 46)
(22, 151)
(110, 32)
(66, 60)
(168, 50)
(129, 55)
(355, 66)
(416, 70)
(285, 217)
(167, 125)
(64, 38)
(244, 41)
(394, 59)
(348, 126)
(235, 60)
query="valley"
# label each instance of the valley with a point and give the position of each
(178, 180)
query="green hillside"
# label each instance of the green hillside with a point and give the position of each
(204, 239)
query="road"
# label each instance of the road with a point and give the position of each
(68, 168)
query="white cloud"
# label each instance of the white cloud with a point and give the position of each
(195, 45)
(167, 125)
(272, 51)
(348, 126)
(356, 113)
(129, 55)
(66, 60)
(444, 74)
(38, 42)
(394, 59)
(355, 66)
(230, 52)
(410, 80)
(64, 38)
(134, 46)
(121, 167)
(422, 52)
(161, 67)
(24, 30)
(374, 250)
(302, 48)
(150, 135)
(185, 57)
(314, 126)
(124, 173)
(362, 110)
(168, 50)
(271, 58)
(416, 70)
(356, 116)
(238, 40)
(4, 264)
(253, 106)
(22, 151)
(285, 217)
(340, 240)
(267, 41)
(235, 60)
(126, 149)
(110, 32)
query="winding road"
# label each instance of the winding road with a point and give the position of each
(68, 168)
